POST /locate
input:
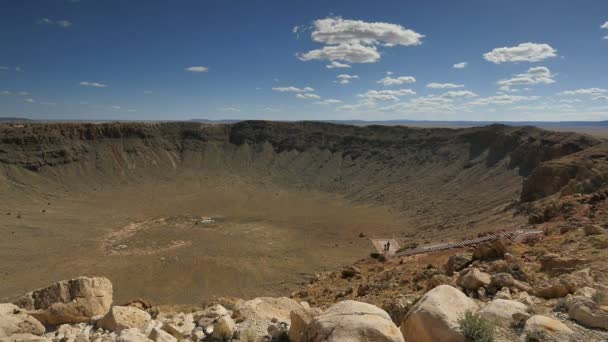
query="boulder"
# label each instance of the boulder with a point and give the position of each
(179, 325)
(554, 264)
(267, 308)
(24, 338)
(503, 310)
(588, 313)
(132, 335)
(456, 263)
(502, 280)
(547, 325)
(564, 284)
(123, 317)
(300, 319)
(593, 229)
(14, 320)
(352, 321)
(159, 335)
(490, 250)
(435, 316)
(439, 279)
(474, 279)
(586, 292)
(504, 293)
(69, 301)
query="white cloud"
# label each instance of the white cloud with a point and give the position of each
(345, 78)
(30, 100)
(3, 67)
(386, 95)
(391, 81)
(525, 52)
(308, 96)
(355, 41)
(46, 103)
(116, 107)
(502, 100)
(334, 31)
(13, 93)
(93, 84)
(292, 89)
(586, 91)
(337, 65)
(460, 65)
(197, 69)
(458, 94)
(60, 23)
(444, 85)
(605, 25)
(328, 102)
(230, 109)
(352, 53)
(536, 75)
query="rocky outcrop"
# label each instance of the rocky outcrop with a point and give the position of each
(69, 301)
(587, 312)
(435, 316)
(267, 308)
(554, 264)
(351, 321)
(564, 284)
(14, 320)
(491, 250)
(502, 310)
(473, 279)
(547, 325)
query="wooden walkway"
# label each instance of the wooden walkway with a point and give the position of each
(449, 245)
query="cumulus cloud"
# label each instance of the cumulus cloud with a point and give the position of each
(308, 96)
(60, 23)
(458, 94)
(197, 69)
(460, 65)
(444, 85)
(502, 100)
(391, 81)
(352, 53)
(337, 65)
(345, 78)
(93, 84)
(327, 102)
(386, 95)
(605, 25)
(536, 75)
(292, 89)
(585, 91)
(230, 109)
(525, 52)
(355, 41)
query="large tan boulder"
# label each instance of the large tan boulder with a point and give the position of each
(24, 338)
(123, 317)
(14, 320)
(300, 320)
(502, 310)
(69, 301)
(547, 325)
(564, 284)
(474, 279)
(588, 313)
(352, 321)
(267, 308)
(132, 335)
(435, 316)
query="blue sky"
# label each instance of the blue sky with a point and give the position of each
(268, 59)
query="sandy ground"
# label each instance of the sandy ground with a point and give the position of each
(146, 239)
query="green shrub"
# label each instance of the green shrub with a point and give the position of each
(476, 328)
(536, 336)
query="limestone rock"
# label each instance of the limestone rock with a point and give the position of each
(352, 321)
(159, 335)
(69, 301)
(435, 316)
(490, 250)
(474, 279)
(267, 308)
(123, 317)
(564, 284)
(502, 280)
(24, 338)
(586, 292)
(180, 325)
(132, 335)
(439, 279)
(554, 264)
(588, 313)
(456, 263)
(503, 310)
(546, 324)
(14, 320)
(300, 319)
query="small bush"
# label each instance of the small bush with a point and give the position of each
(536, 336)
(476, 328)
